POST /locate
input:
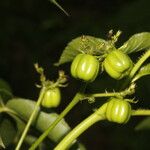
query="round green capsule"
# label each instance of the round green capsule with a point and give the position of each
(118, 110)
(51, 98)
(118, 64)
(85, 67)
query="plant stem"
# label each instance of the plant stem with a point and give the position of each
(7, 110)
(139, 63)
(112, 94)
(75, 100)
(31, 139)
(80, 128)
(136, 67)
(31, 118)
(141, 112)
(130, 90)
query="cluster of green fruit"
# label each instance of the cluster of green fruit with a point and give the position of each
(86, 67)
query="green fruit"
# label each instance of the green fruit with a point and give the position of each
(85, 67)
(117, 64)
(118, 110)
(51, 98)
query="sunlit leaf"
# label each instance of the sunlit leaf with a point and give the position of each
(144, 125)
(145, 70)
(137, 42)
(83, 44)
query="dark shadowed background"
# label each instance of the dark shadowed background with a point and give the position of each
(37, 31)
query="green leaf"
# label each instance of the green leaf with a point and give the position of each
(23, 107)
(46, 119)
(81, 147)
(137, 42)
(145, 70)
(83, 44)
(1, 143)
(42, 120)
(144, 125)
(5, 85)
(7, 131)
(29, 139)
(5, 90)
(19, 122)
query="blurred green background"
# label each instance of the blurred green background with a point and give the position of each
(37, 31)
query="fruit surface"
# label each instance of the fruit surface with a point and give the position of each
(85, 67)
(117, 64)
(118, 110)
(51, 98)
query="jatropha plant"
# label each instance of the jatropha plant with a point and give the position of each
(89, 57)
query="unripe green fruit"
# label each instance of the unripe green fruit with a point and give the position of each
(117, 64)
(51, 98)
(85, 67)
(118, 110)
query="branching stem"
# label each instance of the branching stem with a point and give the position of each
(136, 68)
(75, 100)
(31, 118)
(80, 128)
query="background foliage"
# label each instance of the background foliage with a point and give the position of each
(32, 31)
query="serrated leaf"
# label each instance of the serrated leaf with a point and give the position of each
(145, 70)
(144, 125)
(1, 143)
(137, 42)
(82, 44)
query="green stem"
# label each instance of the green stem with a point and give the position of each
(130, 90)
(75, 100)
(136, 67)
(139, 63)
(7, 110)
(112, 94)
(31, 118)
(141, 112)
(80, 128)
(31, 139)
